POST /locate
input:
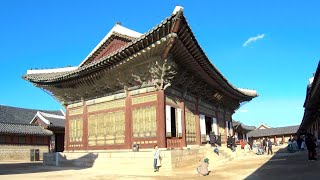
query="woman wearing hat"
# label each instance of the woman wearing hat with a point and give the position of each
(203, 168)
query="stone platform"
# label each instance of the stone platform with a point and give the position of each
(113, 160)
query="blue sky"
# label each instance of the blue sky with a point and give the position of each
(51, 34)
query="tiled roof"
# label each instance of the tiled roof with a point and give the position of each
(239, 125)
(157, 34)
(23, 129)
(17, 115)
(274, 131)
(56, 122)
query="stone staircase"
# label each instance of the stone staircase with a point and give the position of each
(225, 156)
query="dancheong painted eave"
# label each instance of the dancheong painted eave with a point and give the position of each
(168, 28)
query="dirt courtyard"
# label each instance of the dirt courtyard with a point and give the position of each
(279, 166)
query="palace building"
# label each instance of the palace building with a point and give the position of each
(311, 119)
(153, 88)
(22, 130)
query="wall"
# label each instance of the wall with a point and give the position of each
(128, 160)
(20, 152)
(113, 122)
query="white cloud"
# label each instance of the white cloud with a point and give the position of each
(243, 110)
(253, 39)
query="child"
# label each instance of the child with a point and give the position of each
(156, 158)
(216, 150)
(203, 168)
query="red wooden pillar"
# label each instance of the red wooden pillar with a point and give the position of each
(275, 139)
(198, 133)
(161, 120)
(183, 124)
(85, 126)
(128, 121)
(283, 140)
(224, 126)
(66, 131)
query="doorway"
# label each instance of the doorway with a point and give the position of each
(208, 121)
(173, 122)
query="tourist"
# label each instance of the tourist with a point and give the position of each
(203, 168)
(264, 144)
(295, 145)
(311, 145)
(212, 138)
(230, 143)
(299, 142)
(208, 139)
(290, 147)
(251, 143)
(269, 143)
(233, 141)
(303, 144)
(216, 150)
(260, 150)
(254, 144)
(156, 159)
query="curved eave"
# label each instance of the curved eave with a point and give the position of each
(155, 34)
(244, 94)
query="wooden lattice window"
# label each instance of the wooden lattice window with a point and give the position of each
(190, 126)
(144, 122)
(106, 128)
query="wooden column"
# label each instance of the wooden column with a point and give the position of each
(283, 140)
(85, 126)
(128, 121)
(161, 120)
(198, 133)
(66, 131)
(275, 139)
(183, 124)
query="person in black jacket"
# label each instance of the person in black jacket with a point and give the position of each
(311, 145)
(251, 142)
(230, 143)
(212, 137)
(269, 146)
(264, 144)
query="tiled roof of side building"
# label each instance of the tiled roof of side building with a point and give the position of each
(274, 131)
(23, 129)
(56, 122)
(237, 124)
(18, 115)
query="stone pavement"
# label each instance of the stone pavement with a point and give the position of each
(280, 166)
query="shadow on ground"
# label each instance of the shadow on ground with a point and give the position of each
(8, 168)
(285, 165)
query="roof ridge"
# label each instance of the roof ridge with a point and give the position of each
(19, 124)
(1, 105)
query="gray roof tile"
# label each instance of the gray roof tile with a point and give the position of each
(23, 129)
(274, 131)
(17, 115)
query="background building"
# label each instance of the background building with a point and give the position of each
(278, 134)
(311, 118)
(24, 129)
(241, 130)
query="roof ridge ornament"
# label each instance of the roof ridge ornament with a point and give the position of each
(177, 9)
